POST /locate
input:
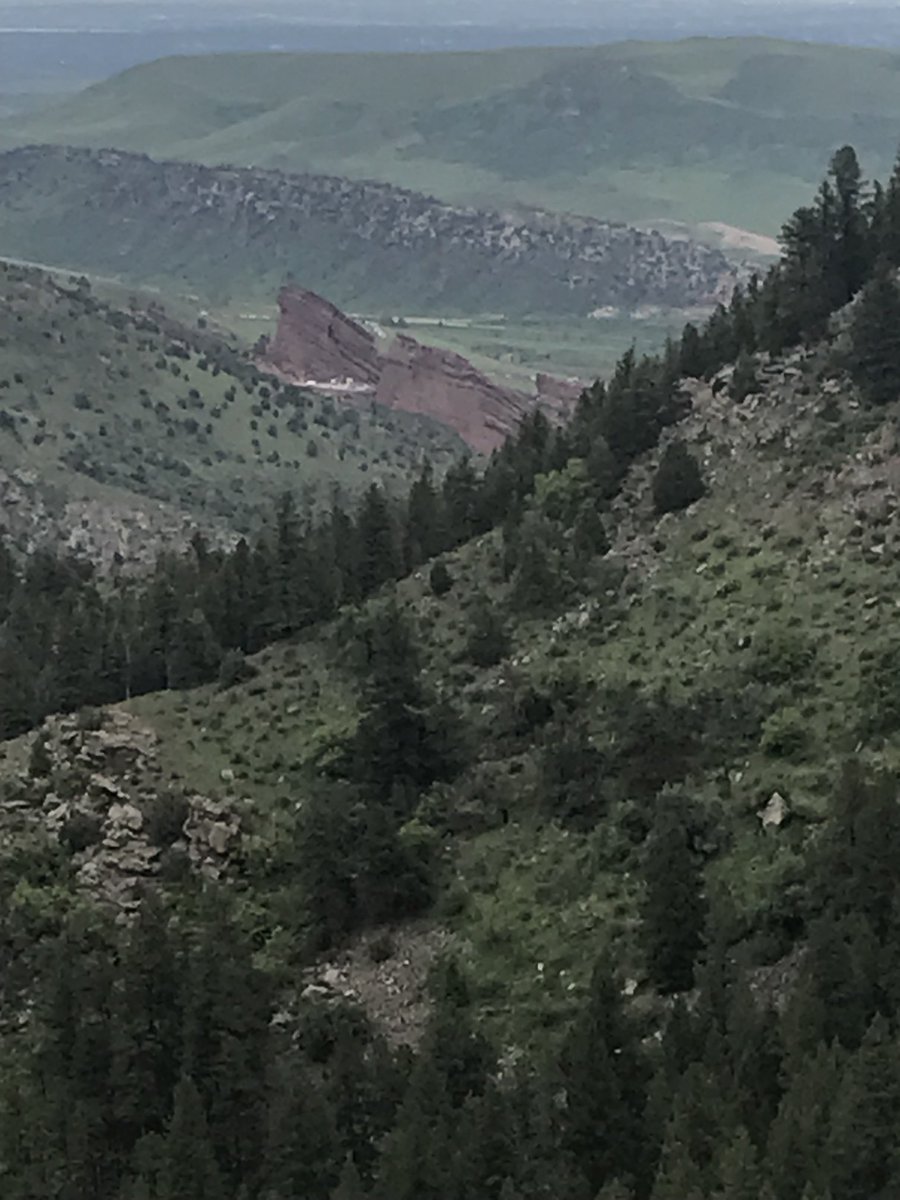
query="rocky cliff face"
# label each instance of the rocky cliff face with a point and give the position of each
(319, 346)
(315, 341)
(448, 388)
(366, 244)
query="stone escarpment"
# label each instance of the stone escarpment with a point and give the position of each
(445, 386)
(316, 342)
(320, 347)
(367, 244)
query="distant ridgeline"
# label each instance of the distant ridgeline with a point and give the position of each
(227, 231)
(106, 643)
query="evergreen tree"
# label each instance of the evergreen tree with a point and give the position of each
(349, 1185)
(426, 534)
(674, 909)
(189, 1170)
(864, 1149)
(691, 360)
(739, 1174)
(379, 557)
(488, 640)
(604, 1087)
(744, 382)
(677, 482)
(440, 579)
(875, 339)
(301, 1150)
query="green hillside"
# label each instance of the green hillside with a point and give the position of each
(533, 834)
(703, 130)
(114, 402)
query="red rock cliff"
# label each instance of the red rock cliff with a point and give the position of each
(315, 341)
(318, 345)
(445, 386)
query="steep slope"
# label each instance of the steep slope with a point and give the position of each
(368, 246)
(718, 652)
(118, 425)
(703, 130)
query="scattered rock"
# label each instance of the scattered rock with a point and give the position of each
(775, 813)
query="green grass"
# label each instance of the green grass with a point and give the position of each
(702, 130)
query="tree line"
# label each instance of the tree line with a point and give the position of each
(155, 1060)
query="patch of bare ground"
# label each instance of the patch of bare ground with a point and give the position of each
(385, 973)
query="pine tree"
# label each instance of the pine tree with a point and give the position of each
(674, 909)
(417, 1159)
(866, 1116)
(797, 1153)
(426, 534)
(349, 1185)
(744, 382)
(301, 1154)
(189, 1167)
(677, 482)
(488, 640)
(678, 1177)
(875, 339)
(404, 742)
(379, 555)
(604, 1087)
(440, 579)
(692, 361)
(738, 1170)
(843, 211)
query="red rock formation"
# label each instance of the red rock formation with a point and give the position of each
(447, 387)
(558, 393)
(319, 346)
(315, 341)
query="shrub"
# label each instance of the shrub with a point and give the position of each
(164, 818)
(81, 831)
(784, 734)
(440, 579)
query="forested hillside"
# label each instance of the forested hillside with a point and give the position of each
(226, 232)
(607, 735)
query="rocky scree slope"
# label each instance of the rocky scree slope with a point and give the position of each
(369, 246)
(725, 653)
(121, 428)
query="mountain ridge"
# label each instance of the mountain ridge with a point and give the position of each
(365, 244)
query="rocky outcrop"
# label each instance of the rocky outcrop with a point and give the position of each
(370, 245)
(318, 346)
(111, 533)
(445, 386)
(315, 341)
(94, 784)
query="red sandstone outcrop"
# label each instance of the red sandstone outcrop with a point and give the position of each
(318, 346)
(316, 342)
(447, 387)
